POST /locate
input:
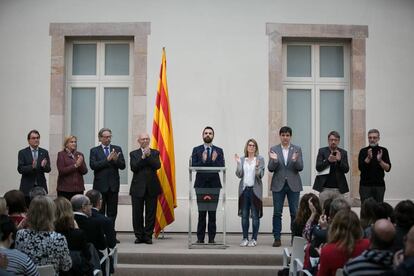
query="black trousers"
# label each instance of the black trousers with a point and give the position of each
(141, 231)
(376, 192)
(69, 195)
(207, 207)
(110, 205)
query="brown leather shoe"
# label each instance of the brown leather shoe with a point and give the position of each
(277, 243)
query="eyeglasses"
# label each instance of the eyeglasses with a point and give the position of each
(373, 137)
(106, 137)
(251, 145)
(35, 138)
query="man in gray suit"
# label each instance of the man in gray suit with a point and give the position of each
(285, 163)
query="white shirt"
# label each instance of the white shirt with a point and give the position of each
(249, 169)
(285, 152)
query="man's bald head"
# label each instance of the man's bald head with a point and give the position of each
(383, 234)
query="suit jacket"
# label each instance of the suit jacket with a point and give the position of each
(93, 230)
(207, 180)
(289, 172)
(106, 173)
(70, 179)
(145, 173)
(107, 226)
(341, 168)
(32, 176)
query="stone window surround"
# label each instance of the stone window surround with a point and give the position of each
(60, 33)
(357, 35)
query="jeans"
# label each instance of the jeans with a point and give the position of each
(278, 200)
(246, 208)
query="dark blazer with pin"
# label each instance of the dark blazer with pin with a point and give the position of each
(32, 177)
(288, 172)
(207, 180)
(341, 168)
(106, 173)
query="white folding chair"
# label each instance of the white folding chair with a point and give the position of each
(105, 259)
(298, 268)
(298, 252)
(339, 272)
(113, 252)
(46, 270)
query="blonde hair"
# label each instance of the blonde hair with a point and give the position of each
(256, 153)
(345, 230)
(41, 214)
(3, 206)
(64, 215)
(67, 139)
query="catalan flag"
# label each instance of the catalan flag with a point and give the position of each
(162, 140)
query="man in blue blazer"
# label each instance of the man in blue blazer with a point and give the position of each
(207, 185)
(106, 160)
(332, 165)
(33, 162)
(285, 162)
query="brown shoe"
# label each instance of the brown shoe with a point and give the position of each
(277, 243)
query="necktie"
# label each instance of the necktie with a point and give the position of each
(106, 151)
(208, 153)
(35, 155)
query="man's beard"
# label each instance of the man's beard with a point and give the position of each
(207, 139)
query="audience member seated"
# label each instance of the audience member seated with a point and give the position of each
(404, 220)
(17, 207)
(379, 258)
(76, 238)
(308, 213)
(367, 215)
(344, 242)
(82, 206)
(43, 245)
(18, 262)
(37, 191)
(404, 260)
(106, 223)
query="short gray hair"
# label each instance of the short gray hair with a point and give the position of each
(78, 201)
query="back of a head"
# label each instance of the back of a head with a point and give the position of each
(41, 214)
(383, 234)
(383, 210)
(37, 191)
(345, 230)
(64, 215)
(304, 212)
(78, 201)
(15, 202)
(367, 214)
(338, 204)
(409, 243)
(94, 196)
(7, 227)
(404, 214)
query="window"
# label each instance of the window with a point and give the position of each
(316, 87)
(98, 92)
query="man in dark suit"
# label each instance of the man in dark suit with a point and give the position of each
(145, 188)
(207, 185)
(106, 160)
(106, 223)
(285, 162)
(332, 165)
(33, 163)
(82, 210)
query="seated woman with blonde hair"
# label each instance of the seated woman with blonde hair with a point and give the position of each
(40, 242)
(344, 242)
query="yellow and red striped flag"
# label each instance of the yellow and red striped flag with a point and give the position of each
(162, 140)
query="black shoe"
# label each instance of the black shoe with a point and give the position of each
(117, 241)
(277, 243)
(138, 240)
(148, 241)
(211, 241)
(200, 241)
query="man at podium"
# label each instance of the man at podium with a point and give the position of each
(207, 184)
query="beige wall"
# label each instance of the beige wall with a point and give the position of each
(216, 50)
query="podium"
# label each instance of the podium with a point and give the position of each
(207, 199)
